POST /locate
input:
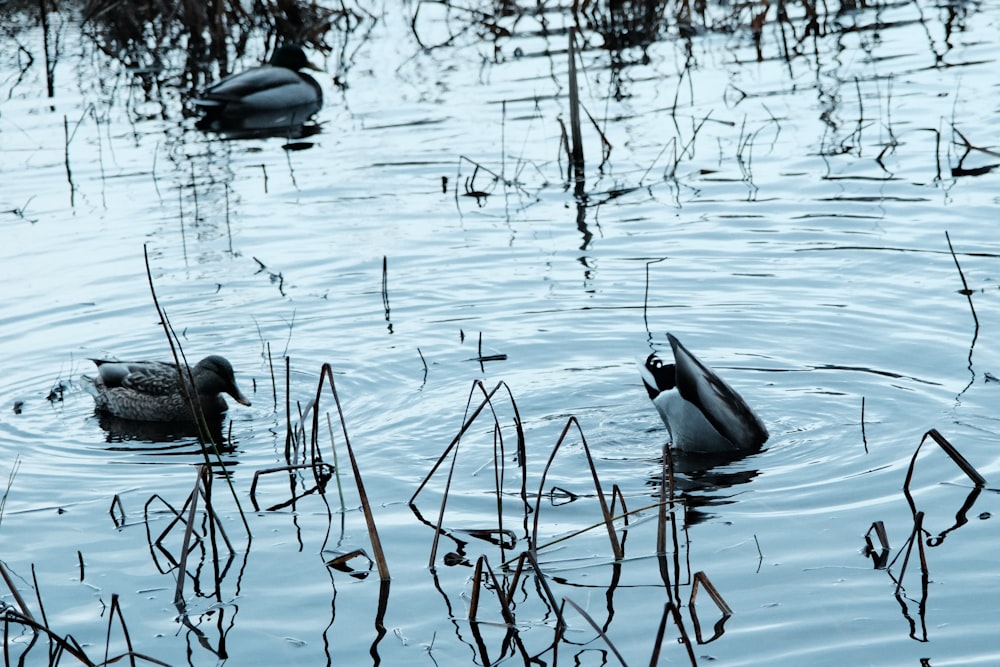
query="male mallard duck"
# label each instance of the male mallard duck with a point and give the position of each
(151, 390)
(701, 411)
(272, 97)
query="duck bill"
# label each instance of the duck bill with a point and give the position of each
(239, 397)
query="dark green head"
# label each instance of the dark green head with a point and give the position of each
(291, 56)
(214, 375)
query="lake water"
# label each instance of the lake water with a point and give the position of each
(784, 216)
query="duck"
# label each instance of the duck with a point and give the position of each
(701, 411)
(151, 390)
(275, 97)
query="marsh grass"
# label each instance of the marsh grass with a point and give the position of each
(138, 32)
(919, 536)
(60, 646)
(511, 592)
(494, 533)
(10, 482)
(607, 520)
(518, 532)
(516, 607)
(880, 555)
(205, 541)
(963, 464)
(378, 554)
(209, 447)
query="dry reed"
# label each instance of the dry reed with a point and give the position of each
(326, 373)
(453, 446)
(880, 556)
(700, 580)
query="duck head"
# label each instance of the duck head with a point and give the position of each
(291, 56)
(214, 375)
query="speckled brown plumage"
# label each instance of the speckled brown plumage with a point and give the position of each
(151, 390)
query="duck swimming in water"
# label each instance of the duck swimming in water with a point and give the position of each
(270, 99)
(151, 390)
(701, 411)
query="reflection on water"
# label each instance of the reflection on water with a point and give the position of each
(702, 482)
(263, 126)
(141, 433)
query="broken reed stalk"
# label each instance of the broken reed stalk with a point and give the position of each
(687, 150)
(318, 469)
(670, 610)
(274, 383)
(336, 465)
(10, 483)
(666, 497)
(667, 500)
(69, 171)
(21, 605)
(878, 527)
(483, 564)
(915, 537)
(424, 362)
(466, 424)
(38, 596)
(864, 438)
(54, 651)
(213, 524)
(500, 457)
(439, 526)
(498, 466)
(203, 486)
(385, 290)
(65, 644)
(543, 580)
(597, 628)
(618, 497)
(965, 286)
(327, 372)
(661, 630)
(289, 435)
(701, 580)
(186, 543)
(116, 610)
(576, 158)
(616, 546)
(952, 452)
(204, 433)
(624, 516)
(117, 506)
(879, 556)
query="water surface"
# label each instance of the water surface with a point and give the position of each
(784, 216)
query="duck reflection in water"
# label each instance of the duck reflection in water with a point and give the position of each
(704, 481)
(179, 437)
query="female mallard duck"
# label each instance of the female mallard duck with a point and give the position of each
(151, 390)
(701, 411)
(272, 97)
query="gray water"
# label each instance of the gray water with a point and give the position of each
(784, 217)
